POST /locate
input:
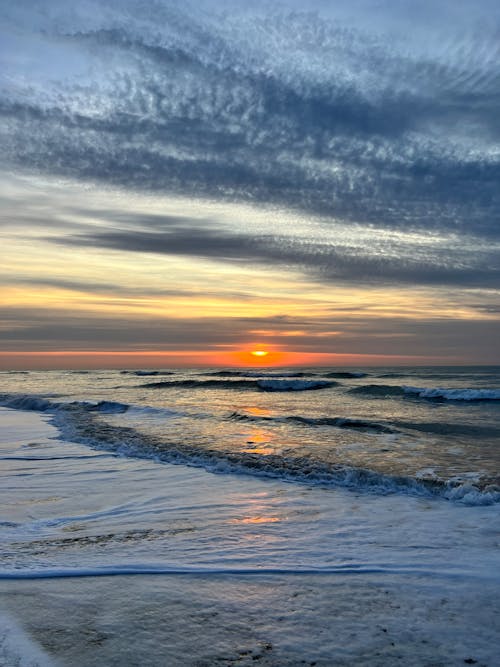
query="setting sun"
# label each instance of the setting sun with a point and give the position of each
(259, 353)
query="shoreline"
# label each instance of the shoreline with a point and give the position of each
(315, 575)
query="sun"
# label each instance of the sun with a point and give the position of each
(257, 356)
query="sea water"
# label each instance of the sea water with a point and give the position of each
(284, 517)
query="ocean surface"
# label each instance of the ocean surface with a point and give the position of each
(429, 431)
(250, 517)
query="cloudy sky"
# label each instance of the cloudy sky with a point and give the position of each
(183, 182)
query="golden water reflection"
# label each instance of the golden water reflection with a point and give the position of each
(255, 411)
(259, 442)
(261, 508)
(257, 519)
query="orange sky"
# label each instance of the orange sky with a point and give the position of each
(66, 305)
(102, 360)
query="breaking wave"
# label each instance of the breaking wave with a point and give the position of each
(129, 442)
(455, 394)
(41, 404)
(262, 384)
(77, 422)
(337, 422)
(26, 402)
(436, 394)
(294, 385)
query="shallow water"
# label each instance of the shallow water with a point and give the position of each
(419, 429)
(111, 559)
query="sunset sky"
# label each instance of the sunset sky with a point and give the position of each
(182, 183)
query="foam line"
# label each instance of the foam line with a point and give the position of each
(57, 458)
(141, 570)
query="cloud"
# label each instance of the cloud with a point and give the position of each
(374, 260)
(114, 289)
(353, 144)
(50, 329)
(313, 111)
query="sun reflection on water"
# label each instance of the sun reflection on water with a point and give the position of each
(256, 411)
(257, 519)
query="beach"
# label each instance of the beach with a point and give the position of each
(250, 314)
(111, 558)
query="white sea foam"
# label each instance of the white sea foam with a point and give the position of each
(147, 568)
(42, 404)
(303, 470)
(135, 514)
(455, 394)
(291, 468)
(17, 648)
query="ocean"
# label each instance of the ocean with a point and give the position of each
(250, 516)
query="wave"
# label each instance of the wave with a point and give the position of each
(421, 373)
(345, 374)
(444, 428)
(262, 384)
(15, 372)
(436, 394)
(294, 385)
(455, 394)
(287, 374)
(27, 402)
(141, 373)
(81, 457)
(260, 374)
(41, 404)
(377, 390)
(126, 441)
(147, 568)
(337, 422)
(77, 423)
(107, 407)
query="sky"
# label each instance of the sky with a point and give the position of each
(182, 183)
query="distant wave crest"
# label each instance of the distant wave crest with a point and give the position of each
(141, 373)
(260, 374)
(258, 384)
(286, 374)
(345, 374)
